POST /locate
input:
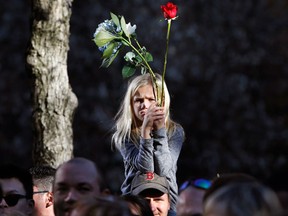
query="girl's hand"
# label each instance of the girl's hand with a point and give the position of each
(154, 119)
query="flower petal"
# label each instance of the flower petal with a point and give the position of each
(130, 29)
(169, 10)
(103, 37)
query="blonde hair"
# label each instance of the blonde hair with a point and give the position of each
(126, 127)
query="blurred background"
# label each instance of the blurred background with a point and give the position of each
(227, 74)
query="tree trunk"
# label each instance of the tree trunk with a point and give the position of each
(54, 103)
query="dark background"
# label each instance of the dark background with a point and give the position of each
(227, 75)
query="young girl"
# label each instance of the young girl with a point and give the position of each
(147, 138)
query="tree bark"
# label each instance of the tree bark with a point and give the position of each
(54, 103)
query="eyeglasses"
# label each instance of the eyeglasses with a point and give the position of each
(38, 192)
(197, 183)
(12, 199)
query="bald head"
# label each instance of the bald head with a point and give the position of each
(80, 170)
(75, 179)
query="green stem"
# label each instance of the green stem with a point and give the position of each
(153, 77)
(146, 64)
(136, 50)
(165, 59)
(136, 41)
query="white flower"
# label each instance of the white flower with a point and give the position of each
(130, 29)
(127, 28)
(129, 57)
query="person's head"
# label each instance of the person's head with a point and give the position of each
(225, 179)
(139, 95)
(190, 199)
(75, 179)
(17, 190)
(100, 206)
(242, 199)
(43, 177)
(155, 189)
(138, 205)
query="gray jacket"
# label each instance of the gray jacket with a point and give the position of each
(158, 155)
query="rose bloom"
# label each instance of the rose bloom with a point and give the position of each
(169, 10)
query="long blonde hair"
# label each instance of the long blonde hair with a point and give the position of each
(126, 127)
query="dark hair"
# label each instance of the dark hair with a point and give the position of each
(140, 202)
(13, 171)
(43, 176)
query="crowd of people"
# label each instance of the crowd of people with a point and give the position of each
(77, 188)
(150, 143)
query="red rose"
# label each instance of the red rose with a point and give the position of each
(169, 10)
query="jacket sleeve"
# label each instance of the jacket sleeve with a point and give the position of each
(167, 151)
(140, 158)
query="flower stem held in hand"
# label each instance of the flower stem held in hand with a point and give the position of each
(170, 13)
(165, 60)
(112, 34)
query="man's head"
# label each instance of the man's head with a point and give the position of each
(17, 190)
(190, 199)
(155, 189)
(75, 179)
(43, 177)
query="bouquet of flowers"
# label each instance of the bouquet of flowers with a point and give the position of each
(114, 34)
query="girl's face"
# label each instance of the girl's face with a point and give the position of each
(141, 101)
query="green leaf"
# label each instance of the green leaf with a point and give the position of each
(115, 19)
(128, 71)
(107, 61)
(148, 57)
(123, 26)
(109, 50)
(138, 59)
(103, 37)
